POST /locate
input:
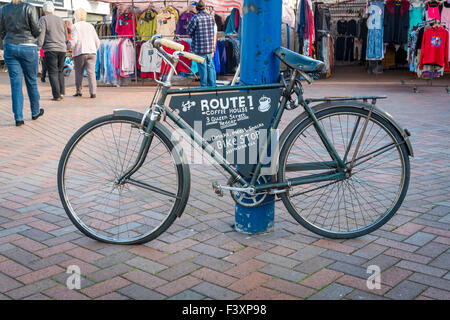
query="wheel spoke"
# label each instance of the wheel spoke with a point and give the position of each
(368, 194)
(107, 210)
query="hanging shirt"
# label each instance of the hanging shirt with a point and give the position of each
(128, 57)
(445, 16)
(149, 60)
(165, 23)
(396, 21)
(415, 14)
(126, 25)
(174, 12)
(183, 22)
(146, 24)
(433, 12)
(435, 48)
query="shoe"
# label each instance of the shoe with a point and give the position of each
(57, 99)
(93, 96)
(41, 112)
(42, 79)
(61, 96)
(77, 94)
(20, 123)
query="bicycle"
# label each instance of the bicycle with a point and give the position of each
(342, 170)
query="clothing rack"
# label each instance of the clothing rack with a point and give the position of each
(134, 37)
(429, 82)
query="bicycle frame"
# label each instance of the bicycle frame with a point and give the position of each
(156, 109)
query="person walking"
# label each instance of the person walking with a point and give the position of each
(202, 30)
(52, 40)
(84, 43)
(19, 29)
(43, 65)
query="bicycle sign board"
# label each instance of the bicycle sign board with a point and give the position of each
(235, 123)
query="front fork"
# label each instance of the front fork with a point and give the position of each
(145, 146)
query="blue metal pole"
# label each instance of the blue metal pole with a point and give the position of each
(261, 35)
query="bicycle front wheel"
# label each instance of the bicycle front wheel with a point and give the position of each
(135, 212)
(369, 197)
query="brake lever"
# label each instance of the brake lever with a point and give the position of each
(167, 60)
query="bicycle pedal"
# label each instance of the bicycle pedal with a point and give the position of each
(217, 188)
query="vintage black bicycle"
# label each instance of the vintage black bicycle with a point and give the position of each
(342, 168)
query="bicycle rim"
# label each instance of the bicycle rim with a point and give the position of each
(361, 203)
(93, 160)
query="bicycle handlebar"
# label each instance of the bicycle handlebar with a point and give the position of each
(157, 42)
(193, 57)
(171, 44)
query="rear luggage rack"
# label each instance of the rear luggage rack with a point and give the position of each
(364, 98)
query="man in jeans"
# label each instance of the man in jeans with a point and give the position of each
(19, 29)
(202, 30)
(53, 39)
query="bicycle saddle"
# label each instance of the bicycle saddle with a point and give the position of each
(297, 61)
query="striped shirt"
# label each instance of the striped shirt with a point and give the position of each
(201, 29)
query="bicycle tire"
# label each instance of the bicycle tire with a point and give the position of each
(181, 170)
(299, 129)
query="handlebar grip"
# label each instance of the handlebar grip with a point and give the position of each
(171, 44)
(193, 57)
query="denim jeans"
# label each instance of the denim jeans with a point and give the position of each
(207, 71)
(22, 61)
(375, 45)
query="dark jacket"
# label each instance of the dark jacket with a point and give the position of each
(19, 23)
(396, 21)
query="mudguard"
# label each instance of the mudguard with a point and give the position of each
(343, 103)
(358, 104)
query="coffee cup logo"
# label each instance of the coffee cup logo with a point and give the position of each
(264, 104)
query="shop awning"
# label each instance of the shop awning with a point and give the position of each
(219, 5)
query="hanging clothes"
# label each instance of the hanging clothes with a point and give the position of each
(127, 58)
(445, 15)
(416, 13)
(114, 21)
(435, 48)
(183, 22)
(433, 10)
(233, 22)
(126, 25)
(396, 21)
(149, 59)
(146, 24)
(166, 23)
(227, 50)
(375, 45)
(219, 23)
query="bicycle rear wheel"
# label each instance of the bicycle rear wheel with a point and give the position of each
(364, 201)
(131, 213)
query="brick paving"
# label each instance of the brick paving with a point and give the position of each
(201, 256)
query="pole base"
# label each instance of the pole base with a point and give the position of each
(240, 230)
(255, 220)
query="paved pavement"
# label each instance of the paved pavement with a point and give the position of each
(201, 256)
